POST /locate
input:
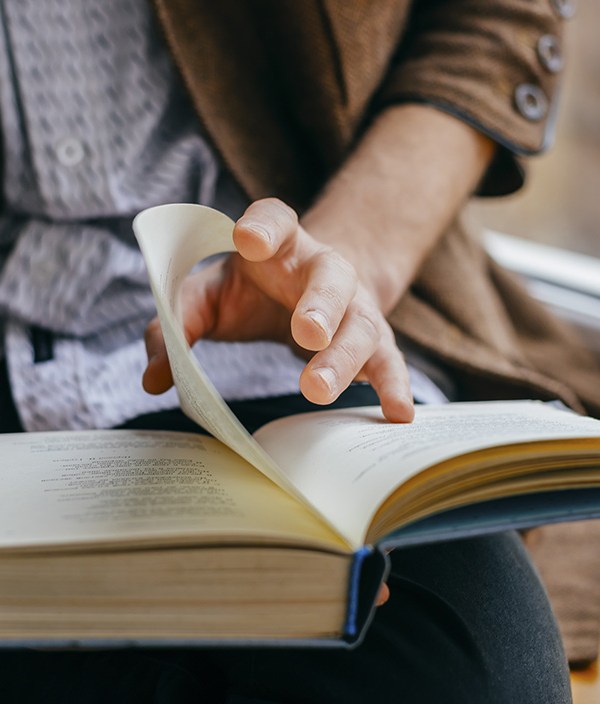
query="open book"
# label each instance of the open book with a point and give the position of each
(158, 537)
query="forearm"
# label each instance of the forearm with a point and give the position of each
(390, 203)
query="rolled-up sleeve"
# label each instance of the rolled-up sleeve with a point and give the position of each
(495, 64)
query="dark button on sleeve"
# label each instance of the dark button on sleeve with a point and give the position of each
(531, 101)
(565, 8)
(549, 53)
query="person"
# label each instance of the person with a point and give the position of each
(374, 126)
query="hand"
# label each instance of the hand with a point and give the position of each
(284, 285)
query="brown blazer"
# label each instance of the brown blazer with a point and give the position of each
(283, 88)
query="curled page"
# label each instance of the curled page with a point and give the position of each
(173, 239)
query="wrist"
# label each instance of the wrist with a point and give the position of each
(389, 204)
(380, 267)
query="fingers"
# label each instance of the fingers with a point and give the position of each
(307, 277)
(363, 344)
(331, 315)
(329, 290)
(286, 281)
(386, 371)
(331, 370)
(157, 377)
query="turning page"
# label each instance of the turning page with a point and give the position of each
(173, 239)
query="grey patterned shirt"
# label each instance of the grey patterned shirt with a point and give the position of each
(95, 127)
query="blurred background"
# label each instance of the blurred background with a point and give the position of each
(560, 204)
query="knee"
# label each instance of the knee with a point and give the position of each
(485, 618)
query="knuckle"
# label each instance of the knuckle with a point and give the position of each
(368, 318)
(350, 356)
(331, 295)
(284, 209)
(338, 263)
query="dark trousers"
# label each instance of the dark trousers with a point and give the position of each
(466, 621)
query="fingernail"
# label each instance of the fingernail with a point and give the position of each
(328, 377)
(258, 229)
(319, 320)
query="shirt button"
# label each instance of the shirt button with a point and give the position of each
(531, 101)
(549, 53)
(70, 151)
(565, 8)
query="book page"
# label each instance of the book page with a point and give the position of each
(129, 486)
(173, 239)
(342, 463)
(348, 461)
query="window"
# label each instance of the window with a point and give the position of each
(560, 203)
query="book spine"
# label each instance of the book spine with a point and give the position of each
(354, 592)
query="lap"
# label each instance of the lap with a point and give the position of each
(466, 622)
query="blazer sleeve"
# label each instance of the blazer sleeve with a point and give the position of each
(494, 64)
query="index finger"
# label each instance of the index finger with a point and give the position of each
(387, 373)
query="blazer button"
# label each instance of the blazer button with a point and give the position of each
(549, 53)
(565, 8)
(531, 101)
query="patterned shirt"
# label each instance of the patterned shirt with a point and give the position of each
(96, 126)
